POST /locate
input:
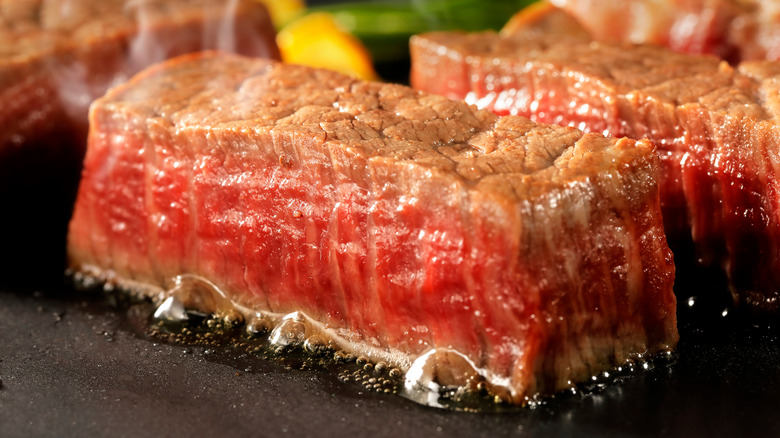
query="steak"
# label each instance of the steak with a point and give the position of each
(412, 228)
(732, 29)
(714, 126)
(56, 56)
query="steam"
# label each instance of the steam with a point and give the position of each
(146, 48)
(105, 42)
(151, 46)
(226, 36)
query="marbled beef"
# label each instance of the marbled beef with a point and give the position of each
(414, 226)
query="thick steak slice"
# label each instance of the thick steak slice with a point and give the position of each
(715, 128)
(56, 56)
(406, 223)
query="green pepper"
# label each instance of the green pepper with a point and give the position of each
(385, 26)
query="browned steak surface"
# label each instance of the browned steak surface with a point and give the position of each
(413, 227)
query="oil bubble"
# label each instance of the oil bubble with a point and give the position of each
(172, 310)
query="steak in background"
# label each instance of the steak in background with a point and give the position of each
(56, 57)
(413, 226)
(736, 30)
(715, 128)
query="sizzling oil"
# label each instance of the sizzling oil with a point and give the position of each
(231, 334)
(291, 340)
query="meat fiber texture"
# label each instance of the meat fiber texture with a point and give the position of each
(56, 57)
(733, 29)
(715, 128)
(405, 222)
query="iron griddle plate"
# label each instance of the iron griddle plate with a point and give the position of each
(70, 367)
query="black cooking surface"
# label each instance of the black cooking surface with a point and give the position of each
(72, 364)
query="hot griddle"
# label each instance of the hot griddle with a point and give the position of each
(71, 365)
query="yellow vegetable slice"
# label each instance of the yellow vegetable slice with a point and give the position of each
(317, 40)
(284, 11)
(542, 16)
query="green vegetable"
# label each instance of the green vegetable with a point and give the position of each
(385, 26)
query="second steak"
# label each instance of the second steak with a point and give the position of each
(715, 128)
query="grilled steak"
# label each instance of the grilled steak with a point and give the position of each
(415, 227)
(733, 29)
(714, 127)
(56, 56)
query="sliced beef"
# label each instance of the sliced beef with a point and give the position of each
(56, 56)
(404, 222)
(714, 126)
(732, 29)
